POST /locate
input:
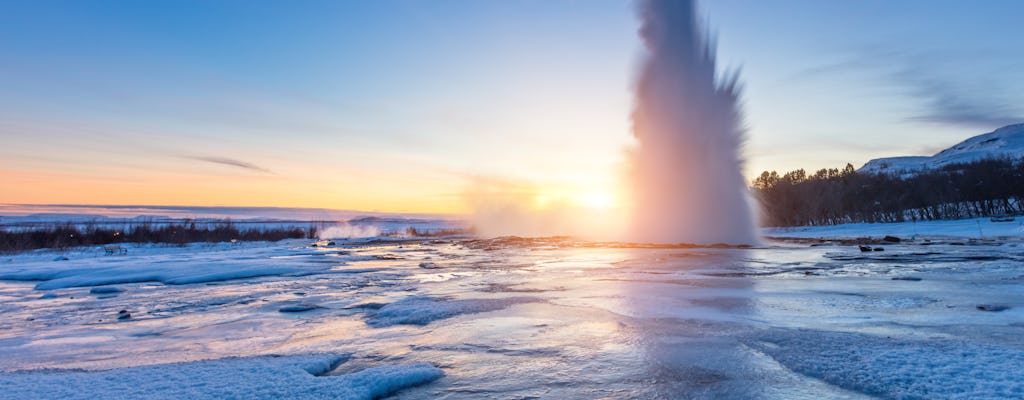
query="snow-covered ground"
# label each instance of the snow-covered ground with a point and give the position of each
(1006, 142)
(975, 228)
(465, 319)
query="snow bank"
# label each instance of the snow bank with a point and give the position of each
(899, 368)
(263, 377)
(424, 310)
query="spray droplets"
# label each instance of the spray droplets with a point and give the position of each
(686, 171)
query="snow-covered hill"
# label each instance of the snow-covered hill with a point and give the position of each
(1007, 141)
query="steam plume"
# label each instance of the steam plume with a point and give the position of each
(687, 184)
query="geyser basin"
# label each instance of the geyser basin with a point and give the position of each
(687, 184)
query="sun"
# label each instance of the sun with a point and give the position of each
(597, 200)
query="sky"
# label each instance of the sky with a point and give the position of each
(415, 106)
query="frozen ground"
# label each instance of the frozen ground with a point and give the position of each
(514, 318)
(975, 228)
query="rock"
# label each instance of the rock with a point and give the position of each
(123, 315)
(331, 243)
(298, 308)
(314, 245)
(429, 265)
(105, 290)
(892, 239)
(879, 249)
(906, 278)
(864, 248)
(993, 307)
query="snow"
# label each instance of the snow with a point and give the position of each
(163, 268)
(899, 368)
(267, 377)
(543, 318)
(973, 228)
(1007, 141)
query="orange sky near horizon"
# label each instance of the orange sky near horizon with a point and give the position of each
(182, 189)
(421, 190)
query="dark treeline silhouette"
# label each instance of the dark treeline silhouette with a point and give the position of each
(64, 235)
(833, 196)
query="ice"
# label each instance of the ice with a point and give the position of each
(899, 368)
(166, 268)
(424, 310)
(301, 307)
(268, 377)
(104, 290)
(524, 318)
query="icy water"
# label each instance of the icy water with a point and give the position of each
(552, 318)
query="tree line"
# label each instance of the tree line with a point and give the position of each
(65, 235)
(835, 196)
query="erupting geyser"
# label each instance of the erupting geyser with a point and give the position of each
(687, 184)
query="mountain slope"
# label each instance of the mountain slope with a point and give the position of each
(1005, 142)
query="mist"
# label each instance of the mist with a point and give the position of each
(347, 231)
(507, 208)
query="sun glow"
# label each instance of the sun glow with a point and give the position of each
(596, 200)
(554, 197)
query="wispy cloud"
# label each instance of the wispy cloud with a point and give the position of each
(229, 162)
(950, 88)
(944, 103)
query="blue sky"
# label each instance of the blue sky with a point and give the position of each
(399, 105)
(830, 82)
